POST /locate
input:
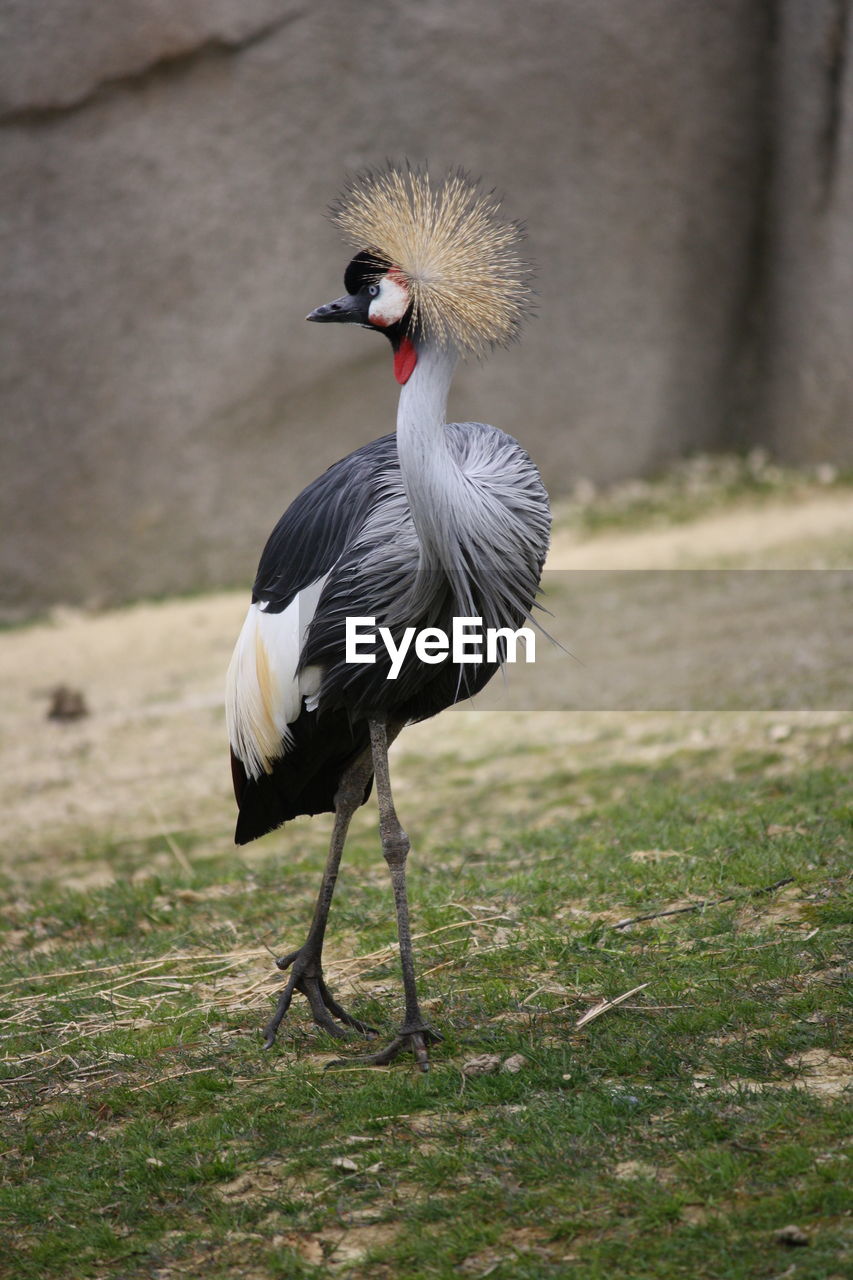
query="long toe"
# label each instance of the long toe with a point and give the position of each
(284, 962)
(339, 1012)
(408, 1039)
(306, 977)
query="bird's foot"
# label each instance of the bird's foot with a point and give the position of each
(306, 976)
(416, 1037)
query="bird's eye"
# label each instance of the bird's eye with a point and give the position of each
(373, 290)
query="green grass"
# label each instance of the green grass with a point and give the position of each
(148, 1134)
(693, 487)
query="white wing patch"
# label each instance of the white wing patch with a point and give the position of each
(263, 693)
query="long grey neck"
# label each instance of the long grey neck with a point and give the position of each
(431, 476)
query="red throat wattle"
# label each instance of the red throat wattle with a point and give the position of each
(405, 359)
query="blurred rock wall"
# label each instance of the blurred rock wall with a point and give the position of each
(684, 168)
(804, 375)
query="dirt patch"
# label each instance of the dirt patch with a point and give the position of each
(655, 855)
(146, 761)
(265, 1179)
(787, 906)
(527, 1243)
(629, 1170)
(822, 1072)
(308, 1248)
(818, 1071)
(813, 533)
(352, 1244)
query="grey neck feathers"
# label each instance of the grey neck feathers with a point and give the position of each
(482, 523)
(432, 479)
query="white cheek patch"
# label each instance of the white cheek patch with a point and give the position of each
(391, 303)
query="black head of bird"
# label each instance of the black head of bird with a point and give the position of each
(437, 263)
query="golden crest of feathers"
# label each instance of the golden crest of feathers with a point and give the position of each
(459, 257)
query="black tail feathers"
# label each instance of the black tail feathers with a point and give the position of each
(304, 780)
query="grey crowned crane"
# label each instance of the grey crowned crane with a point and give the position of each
(434, 522)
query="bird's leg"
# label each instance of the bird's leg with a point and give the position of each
(414, 1034)
(305, 964)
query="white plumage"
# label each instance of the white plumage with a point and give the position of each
(264, 687)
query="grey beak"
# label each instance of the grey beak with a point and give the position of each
(350, 309)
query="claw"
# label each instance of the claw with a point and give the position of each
(284, 962)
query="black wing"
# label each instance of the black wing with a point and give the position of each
(318, 525)
(310, 537)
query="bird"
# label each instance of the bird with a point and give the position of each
(432, 523)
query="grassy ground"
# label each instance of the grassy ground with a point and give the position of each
(694, 487)
(674, 1133)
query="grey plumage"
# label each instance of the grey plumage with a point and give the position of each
(477, 567)
(436, 522)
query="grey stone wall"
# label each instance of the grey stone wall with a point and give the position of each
(164, 169)
(805, 375)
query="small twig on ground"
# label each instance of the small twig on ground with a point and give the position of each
(604, 1005)
(535, 992)
(174, 848)
(389, 951)
(176, 1075)
(706, 902)
(471, 910)
(230, 958)
(657, 1008)
(270, 950)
